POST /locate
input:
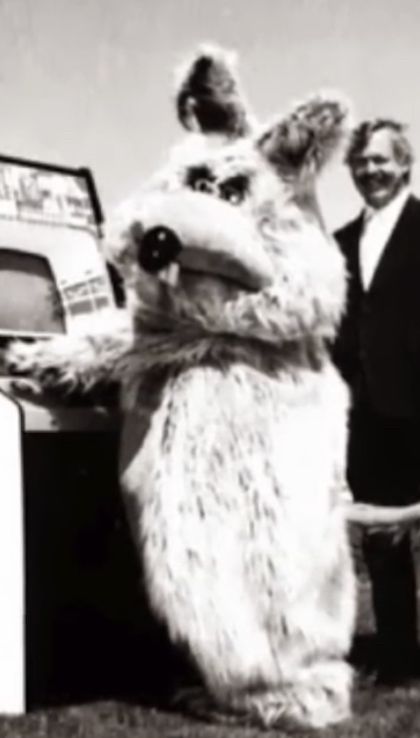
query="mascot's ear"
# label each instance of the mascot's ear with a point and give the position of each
(208, 97)
(307, 136)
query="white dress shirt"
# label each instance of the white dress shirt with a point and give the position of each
(377, 229)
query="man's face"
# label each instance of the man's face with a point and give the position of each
(376, 172)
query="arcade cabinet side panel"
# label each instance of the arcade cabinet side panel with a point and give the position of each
(12, 639)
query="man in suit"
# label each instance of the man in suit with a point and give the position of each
(378, 353)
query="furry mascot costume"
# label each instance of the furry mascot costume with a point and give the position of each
(234, 435)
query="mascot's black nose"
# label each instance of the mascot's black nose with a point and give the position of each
(158, 247)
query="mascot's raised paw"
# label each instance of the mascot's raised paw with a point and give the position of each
(33, 360)
(72, 363)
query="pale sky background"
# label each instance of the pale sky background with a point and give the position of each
(89, 82)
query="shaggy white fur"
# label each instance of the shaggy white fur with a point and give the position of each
(232, 459)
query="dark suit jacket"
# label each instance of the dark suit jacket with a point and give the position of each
(378, 346)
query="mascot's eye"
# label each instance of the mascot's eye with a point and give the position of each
(234, 190)
(232, 196)
(203, 185)
(200, 179)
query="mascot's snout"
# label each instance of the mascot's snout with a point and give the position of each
(199, 235)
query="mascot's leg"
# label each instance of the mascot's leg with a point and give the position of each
(296, 676)
(312, 684)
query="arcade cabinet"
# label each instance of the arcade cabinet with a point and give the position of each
(69, 595)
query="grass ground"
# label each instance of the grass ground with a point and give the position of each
(379, 712)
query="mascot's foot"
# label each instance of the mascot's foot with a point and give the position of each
(319, 698)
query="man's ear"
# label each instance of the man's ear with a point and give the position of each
(208, 97)
(308, 136)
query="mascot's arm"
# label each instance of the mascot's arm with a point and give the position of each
(70, 363)
(306, 299)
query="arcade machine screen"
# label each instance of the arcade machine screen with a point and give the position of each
(29, 299)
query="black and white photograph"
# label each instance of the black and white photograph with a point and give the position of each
(209, 369)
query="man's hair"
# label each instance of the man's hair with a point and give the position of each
(403, 151)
